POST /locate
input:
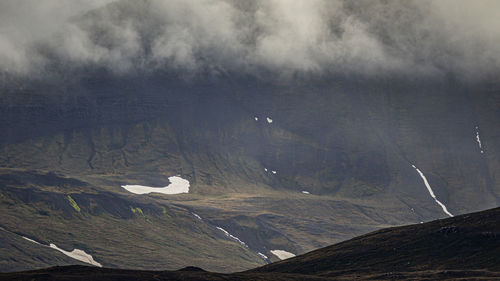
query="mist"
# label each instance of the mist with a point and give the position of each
(285, 38)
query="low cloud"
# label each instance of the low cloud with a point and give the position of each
(310, 37)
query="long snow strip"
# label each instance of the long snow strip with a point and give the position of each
(432, 192)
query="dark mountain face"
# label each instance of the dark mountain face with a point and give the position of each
(348, 141)
(338, 135)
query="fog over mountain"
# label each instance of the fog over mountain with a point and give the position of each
(285, 38)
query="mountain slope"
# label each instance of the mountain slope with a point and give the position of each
(451, 249)
(21, 254)
(104, 225)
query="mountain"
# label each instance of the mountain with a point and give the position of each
(337, 158)
(226, 135)
(463, 247)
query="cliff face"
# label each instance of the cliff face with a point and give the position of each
(349, 142)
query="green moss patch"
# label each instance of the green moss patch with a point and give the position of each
(73, 203)
(137, 211)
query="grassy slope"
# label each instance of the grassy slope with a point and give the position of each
(159, 236)
(19, 254)
(460, 248)
(164, 234)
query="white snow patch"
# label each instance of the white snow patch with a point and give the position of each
(177, 185)
(305, 192)
(77, 254)
(231, 236)
(256, 118)
(265, 169)
(282, 255)
(432, 192)
(269, 120)
(31, 240)
(196, 216)
(262, 255)
(274, 172)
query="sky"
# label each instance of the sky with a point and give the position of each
(287, 37)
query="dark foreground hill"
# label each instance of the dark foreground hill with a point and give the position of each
(459, 248)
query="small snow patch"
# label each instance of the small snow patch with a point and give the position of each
(269, 120)
(305, 192)
(265, 169)
(256, 118)
(478, 139)
(77, 254)
(177, 185)
(274, 172)
(282, 255)
(231, 236)
(196, 216)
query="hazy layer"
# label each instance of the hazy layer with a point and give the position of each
(309, 37)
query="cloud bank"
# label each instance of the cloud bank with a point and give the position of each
(286, 37)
